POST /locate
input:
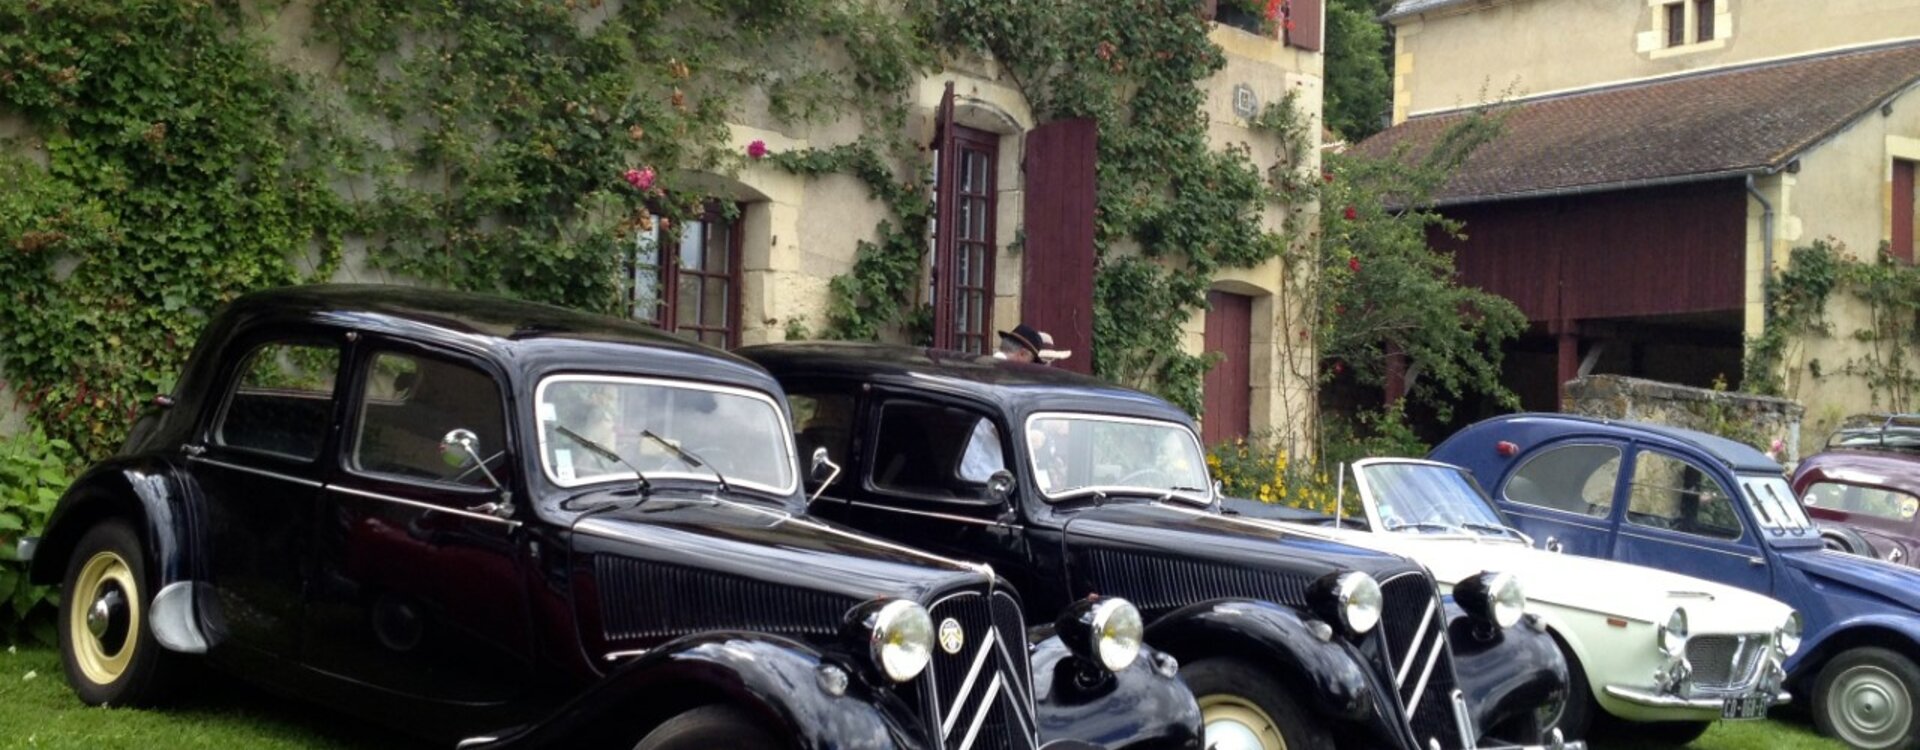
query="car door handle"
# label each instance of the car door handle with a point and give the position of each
(193, 450)
(1553, 545)
(1757, 561)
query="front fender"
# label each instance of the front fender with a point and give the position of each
(1329, 678)
(143, 489)
(1137, 708)
(1816, 648)
(774, 678)
(1507, 673)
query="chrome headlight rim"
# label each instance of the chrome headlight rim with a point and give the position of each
(1673, 633)
(1493, 597)
(1786, 640)
(1358, 599)
(1117, 632)
(900, 642)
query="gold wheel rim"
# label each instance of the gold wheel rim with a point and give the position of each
(1235, 723)
(102, 663)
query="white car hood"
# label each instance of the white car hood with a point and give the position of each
(1603, 586)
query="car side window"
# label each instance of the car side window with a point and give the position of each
(1668, 492)
(1878, 502)
(822, 420)
(1572, 478)
(282, 401)
(935, 452)
(410, 402)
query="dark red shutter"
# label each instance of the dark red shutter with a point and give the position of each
(945, 190)
(1057, 261)
(1228, 388)
(1307, 17)
(1903, 210)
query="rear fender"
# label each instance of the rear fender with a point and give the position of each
(776, 679)
(144, 491)
(1895, 632)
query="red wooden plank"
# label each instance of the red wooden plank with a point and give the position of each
(1228, 387)
(1903, 210)
(1057, 262)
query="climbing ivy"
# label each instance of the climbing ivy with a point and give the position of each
(1796, 313)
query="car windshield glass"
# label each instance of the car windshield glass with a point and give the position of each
(1087, 454)
(1428, 499)
(1773, 505)
(738, 433)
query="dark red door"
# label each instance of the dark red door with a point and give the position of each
(1229, 385)
(1058, 261)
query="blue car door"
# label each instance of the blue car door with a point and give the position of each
(1564, 495)
(1683, 516)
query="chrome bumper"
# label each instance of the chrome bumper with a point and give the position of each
(1666, 700)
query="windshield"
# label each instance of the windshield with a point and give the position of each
(737, 432)
(1774, 506)
(1084, 453)
(1413, 498)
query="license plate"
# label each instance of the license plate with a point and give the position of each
(1745, 707)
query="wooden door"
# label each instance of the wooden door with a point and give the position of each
(1229, 385)
(1057, 263)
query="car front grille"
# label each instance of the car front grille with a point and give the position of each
(1726, 662)
(642, 600)
(1158, 585)
(981, 693)
(1414, 628)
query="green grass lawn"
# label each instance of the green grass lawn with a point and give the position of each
(37, 711)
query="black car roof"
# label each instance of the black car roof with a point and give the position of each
(537, 338)
(1020, 387)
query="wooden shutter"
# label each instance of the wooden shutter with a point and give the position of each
(1903, 210)
(1308, 17)
(945, 190)
(1057, 262)
(1227, 389)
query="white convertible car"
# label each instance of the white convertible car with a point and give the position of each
(1668, 652)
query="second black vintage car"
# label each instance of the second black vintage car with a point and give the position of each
(1074, 486)
(501, 524)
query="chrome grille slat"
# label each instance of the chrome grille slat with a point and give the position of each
(648, 600)
(1158, 585)
(1723, 661)
(1412, 625)
(989, 708)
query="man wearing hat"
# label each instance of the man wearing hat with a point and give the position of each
(1022, 344)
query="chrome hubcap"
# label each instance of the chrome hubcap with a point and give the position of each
(1870, 707)
(1234, 723)
(106, 607)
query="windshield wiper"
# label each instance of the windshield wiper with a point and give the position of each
(646, 487)
(1505, 530)
(690, 459)
(1422, 525)
(1173, 492)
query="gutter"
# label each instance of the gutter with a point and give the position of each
(1766, 239)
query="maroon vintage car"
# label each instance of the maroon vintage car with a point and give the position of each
(1865, 489)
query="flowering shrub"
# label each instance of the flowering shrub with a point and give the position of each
(33, 473)
(1261, 468)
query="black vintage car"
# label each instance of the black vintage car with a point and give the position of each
(499, 524)
(1072, 486)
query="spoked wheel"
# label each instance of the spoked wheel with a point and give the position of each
(109, 655)
(1865, 698)
(1242, 708)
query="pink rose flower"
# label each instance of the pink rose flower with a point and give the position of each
(757, 150)
(640, 179)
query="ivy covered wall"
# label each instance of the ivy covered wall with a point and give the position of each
(165, 156)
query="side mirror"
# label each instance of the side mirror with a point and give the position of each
(821, 471)
(1000, 485)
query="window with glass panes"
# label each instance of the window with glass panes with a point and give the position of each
(686, 279)
(964, 282)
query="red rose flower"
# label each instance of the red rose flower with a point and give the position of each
(1328, 176)
(757, 150)
(640, 179)
(1352, 213)
(1353, 264)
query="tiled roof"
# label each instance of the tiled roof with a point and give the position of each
(1732, 121)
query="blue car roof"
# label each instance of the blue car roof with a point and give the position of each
(1734, 454)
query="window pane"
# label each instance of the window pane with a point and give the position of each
(1575, 479)
(693, 243)
(979, 278)
(964, 222)
(719, 239)
(411, 403)
(1878, 502)
(1669, 493)
(715, 339)
(713, 304)
(979, 231)
(935, 452)
(1703, 14)
(646, 276)
(1676, 24)
(977, 324)
(283, 400)
(687, 307)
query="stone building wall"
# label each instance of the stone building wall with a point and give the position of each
(1755, 420)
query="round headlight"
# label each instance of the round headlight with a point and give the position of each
(1787, 640)
(1493, 597)
(1358, 596)
(1117, 630)
(902, 639)
(1673, 635)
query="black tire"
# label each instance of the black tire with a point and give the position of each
(124, 665)
(1575, 721)
(1669, 733)
(712, 726)
(1865, 698)
(1845, 539)
(1234, 692)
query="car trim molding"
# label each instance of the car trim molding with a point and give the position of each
(258, 472)
(932, 514)
(508, 522)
